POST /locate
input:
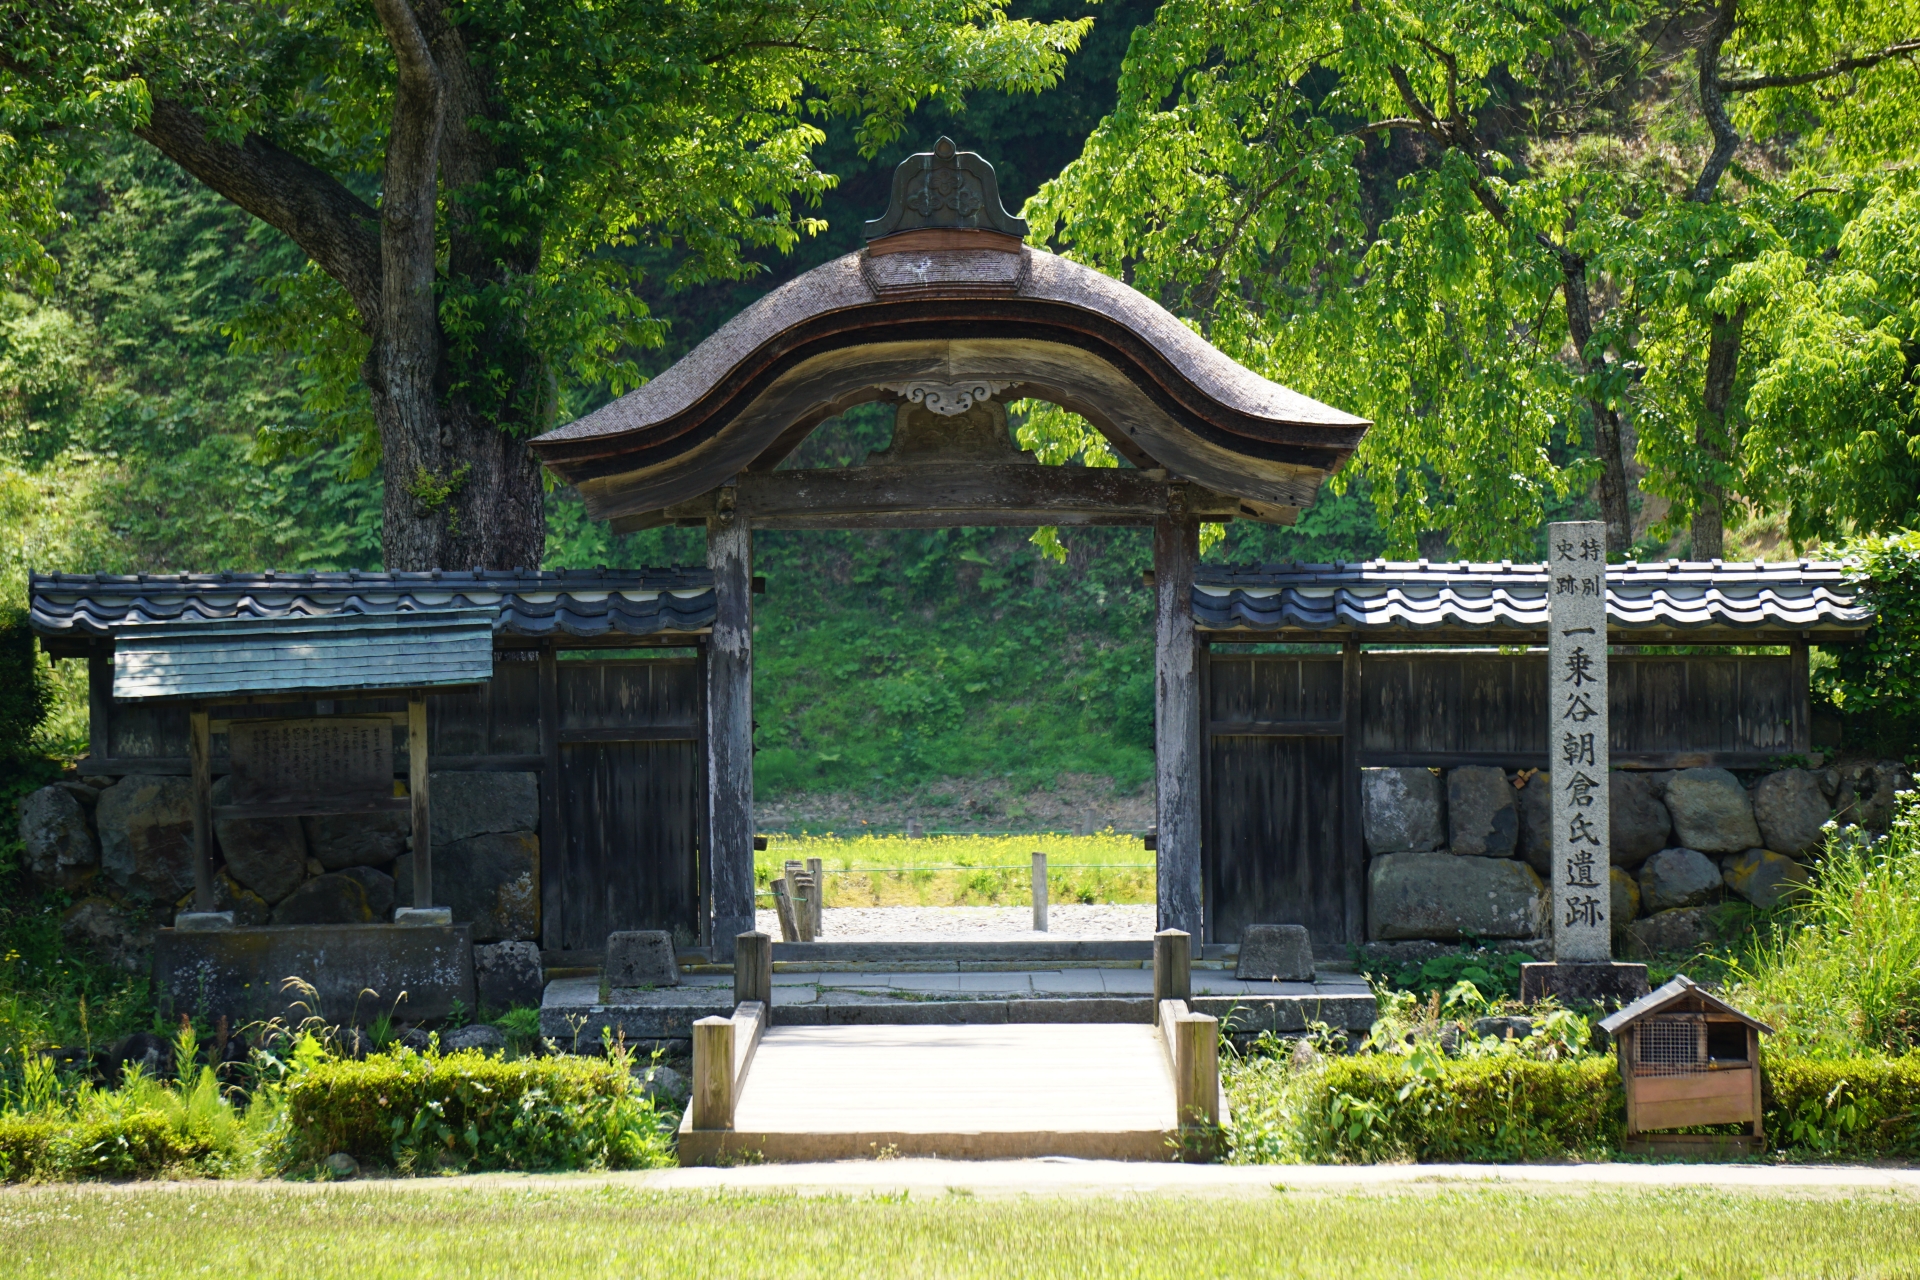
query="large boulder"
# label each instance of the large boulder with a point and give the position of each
(1481, 819)
(267, 855)
(1790, 809)
(1865, 794)
(491, 882)
(1626, 896)
(146, 835)
(467, 804)
(60, 849)
(379, 887)
(1678, 878)
(1434, 895)
(341, 840)
(249, 908)
(1535, 805)
(1763, 877)
(1400, 810)
(334, 898)
(1640, 822)
(1711, 811)
(1681, 931)
(506, 974)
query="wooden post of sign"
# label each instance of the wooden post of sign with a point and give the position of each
(1172, 966)
(417, 791)
(753, 969)
(713, 1073)
(1039, 892)
(730, 724)
(1176, 744)
(199, 757)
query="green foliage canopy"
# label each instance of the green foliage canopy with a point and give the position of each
(1517, 236)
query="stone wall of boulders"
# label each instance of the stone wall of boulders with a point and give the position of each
(1465, 852)
(123, 849)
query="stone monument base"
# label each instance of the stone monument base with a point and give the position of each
(1603, 982)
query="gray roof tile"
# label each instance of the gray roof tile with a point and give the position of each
(1388, 597)
(579, 603)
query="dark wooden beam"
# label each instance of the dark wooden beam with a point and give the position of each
(951, 494)
(730, 727)
(1176, 755)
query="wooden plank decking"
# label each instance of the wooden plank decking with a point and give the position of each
(1090, 1090)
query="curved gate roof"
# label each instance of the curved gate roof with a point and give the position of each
(950, 307)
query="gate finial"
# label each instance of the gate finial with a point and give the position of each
(949, 188)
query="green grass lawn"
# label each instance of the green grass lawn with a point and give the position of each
(965, 870)
(450, 1229)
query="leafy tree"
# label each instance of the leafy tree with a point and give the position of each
(457, 176)
(1498, 230)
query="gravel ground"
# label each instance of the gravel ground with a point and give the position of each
(976, 924)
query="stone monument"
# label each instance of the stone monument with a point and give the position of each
(1583, 968)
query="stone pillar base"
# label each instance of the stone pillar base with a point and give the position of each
(1584, 982)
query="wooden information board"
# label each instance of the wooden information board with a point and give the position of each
(320, 761)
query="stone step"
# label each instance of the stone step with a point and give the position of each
(573, 1015)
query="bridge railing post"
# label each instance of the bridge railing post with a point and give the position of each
(713, 1073)
(1172, 966)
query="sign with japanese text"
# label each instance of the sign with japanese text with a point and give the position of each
(1577, 739)
(325, 760)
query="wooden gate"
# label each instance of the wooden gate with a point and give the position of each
(1275, 845)
(626, 801)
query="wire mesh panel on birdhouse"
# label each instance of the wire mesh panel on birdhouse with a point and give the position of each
(1688, 1059)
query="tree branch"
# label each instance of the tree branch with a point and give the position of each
(1748, 84)
(336, 229)
(1726, 140)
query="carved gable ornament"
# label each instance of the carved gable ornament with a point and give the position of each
(945, 188)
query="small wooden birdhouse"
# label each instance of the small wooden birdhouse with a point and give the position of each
(1688, 1058)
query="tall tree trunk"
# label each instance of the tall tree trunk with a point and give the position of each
(1713, 434)
(461, 490)
(1615, 508)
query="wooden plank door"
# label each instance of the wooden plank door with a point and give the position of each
(1275, 849)
(628, 799)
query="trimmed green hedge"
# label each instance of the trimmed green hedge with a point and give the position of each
(1856, 1107)
(1491, 1109)
(420, 1113)
(140, 1145)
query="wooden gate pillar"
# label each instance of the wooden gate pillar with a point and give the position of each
(730, 726)
(1176, 724)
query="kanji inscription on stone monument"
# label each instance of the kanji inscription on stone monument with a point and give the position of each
(1577, 739)
(328, 759)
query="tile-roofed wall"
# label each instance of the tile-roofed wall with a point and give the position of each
(574, 603)
(1384, 597)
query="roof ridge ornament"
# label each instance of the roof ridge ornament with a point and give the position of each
(945, 188)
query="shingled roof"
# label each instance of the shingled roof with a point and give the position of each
(69, 609)
(1653, 603)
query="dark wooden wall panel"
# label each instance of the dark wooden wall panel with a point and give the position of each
(630, 860)
(635, 693)
(1273, 687)
(1274, 852)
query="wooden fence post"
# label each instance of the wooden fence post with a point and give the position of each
(753, 969)
(713, 1073)
(1172, 966)
(818, 870)
(1197, 1070)
(1039, 892)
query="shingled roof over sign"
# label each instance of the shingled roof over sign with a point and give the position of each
(582, 605)
(1507, 603)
